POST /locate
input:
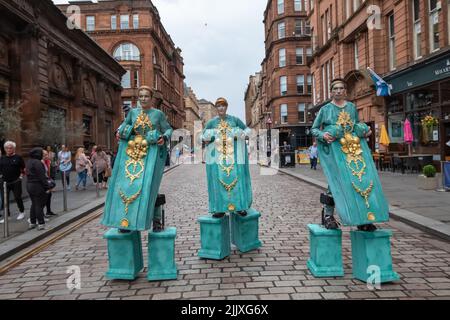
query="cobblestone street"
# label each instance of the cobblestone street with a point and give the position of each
(275, 271)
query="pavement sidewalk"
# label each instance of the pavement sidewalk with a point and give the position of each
(428, 210)
(80, 203)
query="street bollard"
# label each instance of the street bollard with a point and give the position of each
(6, 211)
(96, 184)
(65, 191)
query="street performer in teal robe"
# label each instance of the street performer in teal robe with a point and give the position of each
(139, 167)
(227, 165)
(354, 186)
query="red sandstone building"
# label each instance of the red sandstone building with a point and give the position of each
(287, 82)
(408, 44)
(132, 32)
(55, 74)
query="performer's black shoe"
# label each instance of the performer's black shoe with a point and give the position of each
(218, 215)
(330, 223)
(157, 226)
(367, 227)
(242, 213)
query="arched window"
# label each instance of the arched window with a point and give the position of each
(127, 52)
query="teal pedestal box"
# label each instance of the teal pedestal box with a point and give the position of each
(161, 255)
(372, 251)
(125, 254)
(325, 252)
(215, 237)
(245, 230)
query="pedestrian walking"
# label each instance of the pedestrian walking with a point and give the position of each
(65, 164)
(53, 162)
(101, 168)
(313, 155)
(47, 164)
(12, 169)
(81, 166)
(38, 187)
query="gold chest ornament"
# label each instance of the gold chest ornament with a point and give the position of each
(136, 151)
(351, 147)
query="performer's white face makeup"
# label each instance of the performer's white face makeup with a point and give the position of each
(145, 98)
(222, 110)
(338, 92)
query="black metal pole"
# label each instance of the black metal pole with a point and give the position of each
(6, 212)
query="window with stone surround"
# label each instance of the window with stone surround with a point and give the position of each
(308, 55)
(282, 58)
(314, 89)
(281, 30)
(113, 22)
(124, 22)
(300, 84)
(283, 113)
(90, 23)
(126, 80)
(136, 82)
(301, 112)
(298, 31)
(280, 6)
(417, 29)
(392, 50)
(299, 56)
(283, 85)
(298, 5)
(135, 21)
(434, 25)
(309, 84)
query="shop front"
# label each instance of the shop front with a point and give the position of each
(421, 94)
(298, 139)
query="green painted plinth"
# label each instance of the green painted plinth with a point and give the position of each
(161, 255)
(215, 237)
(125, 254)
(245, 230)
(325, 258)
(372, 249)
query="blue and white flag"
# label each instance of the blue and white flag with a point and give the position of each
(383, 88)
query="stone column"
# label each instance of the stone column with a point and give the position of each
(29, 85)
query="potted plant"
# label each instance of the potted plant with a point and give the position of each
(428, 180)
(429, 124)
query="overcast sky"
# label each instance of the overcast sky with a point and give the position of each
(222, 43)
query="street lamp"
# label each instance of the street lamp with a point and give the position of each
(269, 140)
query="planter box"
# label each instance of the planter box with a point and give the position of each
(427, 183)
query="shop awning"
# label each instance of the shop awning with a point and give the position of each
(433, 69)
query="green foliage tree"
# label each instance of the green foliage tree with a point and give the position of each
(54, 129)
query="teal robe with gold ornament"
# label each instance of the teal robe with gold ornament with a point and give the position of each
(227, 165)
(348, 166)
(138, 170)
